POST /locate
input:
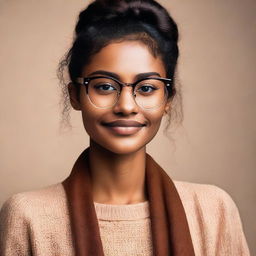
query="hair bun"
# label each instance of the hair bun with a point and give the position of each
(146, 11)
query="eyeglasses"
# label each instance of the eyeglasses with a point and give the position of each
(104, 91)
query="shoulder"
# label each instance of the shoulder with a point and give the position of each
(207, 202)
(204, 194)
(32, 216)
(27, 203)
(199, 189)
(213, 218)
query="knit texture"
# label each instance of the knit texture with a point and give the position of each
(37, 223)
(125, 229)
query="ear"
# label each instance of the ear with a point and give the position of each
(167, 107)
(74, 96)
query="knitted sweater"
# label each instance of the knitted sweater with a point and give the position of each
(37, 223)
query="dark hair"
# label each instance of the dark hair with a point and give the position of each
(106, 21)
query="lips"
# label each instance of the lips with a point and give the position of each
(124, 127)
(124, 123)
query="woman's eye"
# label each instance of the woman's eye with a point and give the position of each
(146, 88)
(105, 87)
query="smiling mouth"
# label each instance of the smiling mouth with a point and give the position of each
(124, 123)
(124, 127)
(124, 130)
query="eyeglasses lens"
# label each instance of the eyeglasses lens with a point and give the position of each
(104, 92)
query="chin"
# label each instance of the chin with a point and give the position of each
(122, 147)
(125, 150)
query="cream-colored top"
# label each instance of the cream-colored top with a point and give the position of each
(37, 223)
(125, 229)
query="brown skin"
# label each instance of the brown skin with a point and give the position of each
(118, 161)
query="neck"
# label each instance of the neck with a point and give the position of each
(117, 178)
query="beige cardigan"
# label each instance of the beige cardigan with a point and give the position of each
(37, 223)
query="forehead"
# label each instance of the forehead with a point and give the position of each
(126, 59)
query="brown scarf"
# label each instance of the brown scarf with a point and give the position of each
(170, 231)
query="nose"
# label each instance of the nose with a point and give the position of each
(126, 103)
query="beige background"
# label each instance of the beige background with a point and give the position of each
(216, 143)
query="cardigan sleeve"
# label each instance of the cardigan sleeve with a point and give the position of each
(14, 228)
(214, 220)
(234, 227)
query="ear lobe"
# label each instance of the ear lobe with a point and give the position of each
(74, 96)
(167, 107)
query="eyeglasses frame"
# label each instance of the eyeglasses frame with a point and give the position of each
(85, 81)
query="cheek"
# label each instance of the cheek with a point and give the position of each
(89, 121)
(89, 116)
(155, 118)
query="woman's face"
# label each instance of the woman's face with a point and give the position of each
(126, 59)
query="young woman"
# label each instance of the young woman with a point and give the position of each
(117, 199)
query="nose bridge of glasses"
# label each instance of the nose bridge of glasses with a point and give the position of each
(132, 85)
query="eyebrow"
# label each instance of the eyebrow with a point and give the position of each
(111, 74)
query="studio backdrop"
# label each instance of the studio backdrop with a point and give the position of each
(215, 144)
